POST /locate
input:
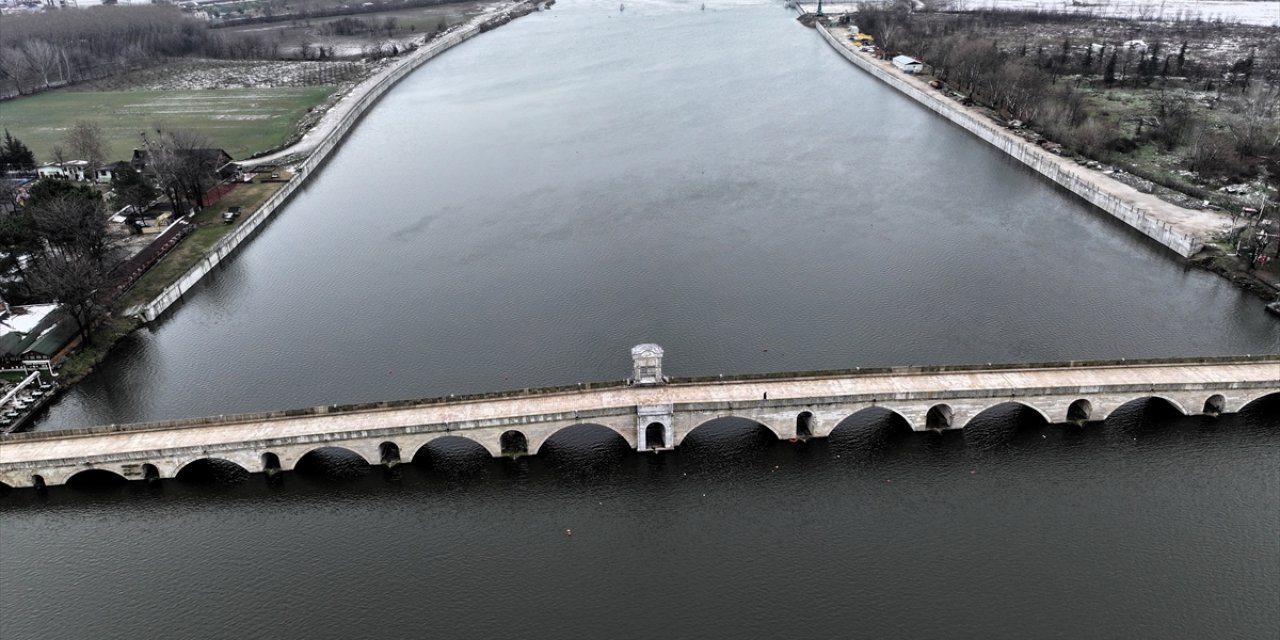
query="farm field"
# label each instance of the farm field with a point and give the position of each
(242, 121)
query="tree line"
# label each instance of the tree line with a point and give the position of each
(52, 49)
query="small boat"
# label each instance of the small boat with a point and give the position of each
(45, 386)
(12, 413)
(1274, 308)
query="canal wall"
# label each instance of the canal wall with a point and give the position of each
(1152, 217)
(249, 226)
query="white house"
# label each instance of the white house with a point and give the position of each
(71, 169)
(107, 171)
(907, 64)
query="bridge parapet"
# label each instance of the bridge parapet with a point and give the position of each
(646, 417)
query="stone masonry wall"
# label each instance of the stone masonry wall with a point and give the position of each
(1038, 159)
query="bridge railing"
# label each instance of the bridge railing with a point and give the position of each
(389, 405)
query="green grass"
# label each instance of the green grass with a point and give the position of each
(242, 121)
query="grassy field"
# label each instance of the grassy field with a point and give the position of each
(242, 121)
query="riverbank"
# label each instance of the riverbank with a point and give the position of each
(316, 146)
(306, 155)
(1183, 231)
(1187, 232)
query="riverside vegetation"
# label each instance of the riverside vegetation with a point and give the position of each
(1187, 109)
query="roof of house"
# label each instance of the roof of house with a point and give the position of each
(905, 60)
(37, 328)
(25, 319)
(53, 339)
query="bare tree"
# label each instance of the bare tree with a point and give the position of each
(14, 67)
(86, 140)
(43, 59)
(75, 282)
(185, 165)
(1255, 126)
(74, 223)
(1173, 120)
(59, 156)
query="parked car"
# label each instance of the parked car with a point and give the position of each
(230, 215)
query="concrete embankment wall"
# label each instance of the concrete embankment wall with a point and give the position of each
(1047, 164)
(246, 229)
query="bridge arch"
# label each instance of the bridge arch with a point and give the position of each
(720, 421)
(805, 425)
(1215, 405)
(513, 443)
(212, 468)
(940, 416)
(389, 454)
(208, 459)
(453, 441)
(331, 457)
(870, 430)
(1148, 400)
(874, 413)
(657, 435)
(452, 451)
(271, 463)
(1007, 404)
(95, 478)
(1079, 411)
(1257, 403)
(582, 429)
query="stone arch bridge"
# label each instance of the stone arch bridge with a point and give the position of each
(649, 412)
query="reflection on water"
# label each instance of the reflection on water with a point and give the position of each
(1014, 526)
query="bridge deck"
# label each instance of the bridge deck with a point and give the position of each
(1009, 382)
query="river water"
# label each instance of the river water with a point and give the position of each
(528, 206)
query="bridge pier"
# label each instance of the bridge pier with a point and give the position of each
(654, 430)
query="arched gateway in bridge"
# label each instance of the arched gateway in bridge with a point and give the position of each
(649, 411)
